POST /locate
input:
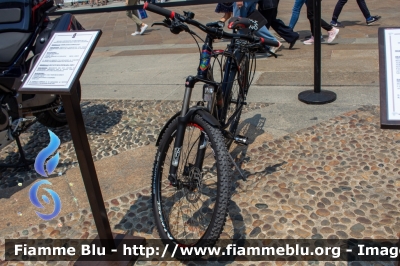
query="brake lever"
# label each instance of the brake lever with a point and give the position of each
(166, 23)
(161, 24)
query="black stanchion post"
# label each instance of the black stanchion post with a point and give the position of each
(86, 164)
(317, 96)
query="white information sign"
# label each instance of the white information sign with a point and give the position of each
(60, 61)
(392, 43)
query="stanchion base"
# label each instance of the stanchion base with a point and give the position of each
(311, 97)
(116, 260)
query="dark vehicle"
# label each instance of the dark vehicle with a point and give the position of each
(24, 31)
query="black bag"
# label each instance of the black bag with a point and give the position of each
(257, 16)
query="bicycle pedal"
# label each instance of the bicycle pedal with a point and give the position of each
(241, 140)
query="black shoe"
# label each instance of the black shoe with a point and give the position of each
(336, 24)
(373, 19)
(292, 43)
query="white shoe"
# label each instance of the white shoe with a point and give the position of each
(135, 33)
(332, 34)
(276, 49)
(143, 29)
(309, 41)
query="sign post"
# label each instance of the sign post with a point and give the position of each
(57, 71)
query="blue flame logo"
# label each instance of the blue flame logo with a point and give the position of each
(45, 153)
(35, 201)
(50, 167)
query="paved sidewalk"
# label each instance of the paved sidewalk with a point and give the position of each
(314, 171)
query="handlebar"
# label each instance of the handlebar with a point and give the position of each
(218, 33)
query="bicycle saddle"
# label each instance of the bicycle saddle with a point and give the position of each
(242, 23)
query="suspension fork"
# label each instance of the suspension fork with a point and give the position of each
(180, 132)
(202, 70)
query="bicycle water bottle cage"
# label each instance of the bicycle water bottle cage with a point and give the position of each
(237, 23)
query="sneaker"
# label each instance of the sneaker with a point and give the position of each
(336, 24)
(143, 29)
(276, 49)
(309, 41)
(135, 33)
(332, 34)
(372, 20)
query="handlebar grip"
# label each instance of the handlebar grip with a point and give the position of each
(269, 42)
(159, 10)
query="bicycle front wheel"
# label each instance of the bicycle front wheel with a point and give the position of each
(194, 212)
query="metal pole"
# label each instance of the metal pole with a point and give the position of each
(86, 164)
(317, 96)
(317, 46)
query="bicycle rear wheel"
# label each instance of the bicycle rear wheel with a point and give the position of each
(194, 212)
(237, 87)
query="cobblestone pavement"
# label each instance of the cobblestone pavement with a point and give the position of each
(337, 179)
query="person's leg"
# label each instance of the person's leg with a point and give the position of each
(332, 32)
(236, 10)
(225, 17)
(338, 10)
(298, 4)
(325, 25)
(310, 15)
(140, 26)
(269, 15)
(364, 9)
(247, 8)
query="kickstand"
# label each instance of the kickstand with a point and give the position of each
(23, 162)
(237, 167)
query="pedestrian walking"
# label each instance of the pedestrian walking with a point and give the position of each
(269, 9)
(332, 31)
(226, 8)
(363, 7)
(244, 9)
(133, 14)
(298, 4)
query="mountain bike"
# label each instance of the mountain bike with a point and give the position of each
(192, 173)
